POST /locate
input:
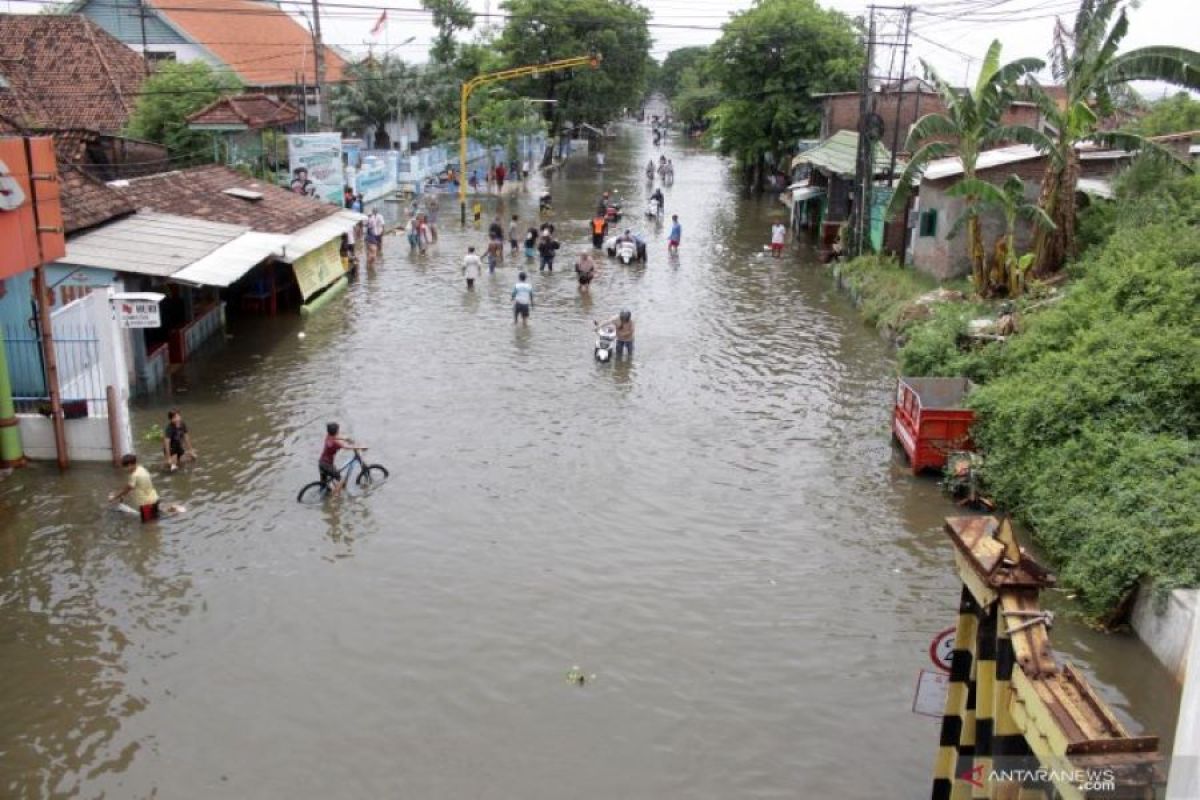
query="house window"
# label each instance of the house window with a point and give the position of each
(155, 56)
(928, 224)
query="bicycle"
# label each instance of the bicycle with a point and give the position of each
(368, 475)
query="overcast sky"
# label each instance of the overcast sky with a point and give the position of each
(950, 34)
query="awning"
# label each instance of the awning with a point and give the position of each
(307, 239)
(802, 193)
(149, 244)
(838, 155)
(231, 261)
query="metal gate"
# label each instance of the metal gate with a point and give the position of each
(80, 376)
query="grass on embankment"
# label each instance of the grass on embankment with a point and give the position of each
(1088, 418)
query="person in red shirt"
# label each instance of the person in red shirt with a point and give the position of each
(330, 474)
(501, 174)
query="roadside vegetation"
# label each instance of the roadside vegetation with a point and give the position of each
(1089, 416)
(1088, 409)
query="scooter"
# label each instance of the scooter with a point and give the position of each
(613, 212)
(606, 343)
(654, 210)
(626, 252)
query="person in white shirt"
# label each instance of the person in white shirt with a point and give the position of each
(778, 237)
(471, 268)
(375, 228)
(522, 297)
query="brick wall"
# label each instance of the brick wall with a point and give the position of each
(840, 112)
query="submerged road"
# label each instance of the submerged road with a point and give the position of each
(719, 533)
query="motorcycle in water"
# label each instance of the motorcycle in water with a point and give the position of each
(654, 210)
(606, 343)
(613, 212)
(544, 202)
(626, 251)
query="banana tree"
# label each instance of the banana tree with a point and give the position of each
(1006, 273)
(1085, 61)
(970, 124)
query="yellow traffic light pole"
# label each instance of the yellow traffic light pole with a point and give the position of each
(471, 85)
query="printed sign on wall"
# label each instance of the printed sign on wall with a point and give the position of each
(315, 160)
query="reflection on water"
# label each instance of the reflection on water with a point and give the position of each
(717, 530)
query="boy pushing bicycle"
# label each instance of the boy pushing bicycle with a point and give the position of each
(330, 474)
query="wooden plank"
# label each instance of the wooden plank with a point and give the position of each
(1031, 645)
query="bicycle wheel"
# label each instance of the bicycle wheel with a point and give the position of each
(313, 493)
(372, 475)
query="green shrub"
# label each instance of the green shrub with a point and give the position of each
(932, 348)
(1090, 419)
(883, 288)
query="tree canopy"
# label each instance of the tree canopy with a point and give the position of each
(449, 17)
(675, 65)
(769, 62)
(546, 30)
(1179, 113)
(175, 90)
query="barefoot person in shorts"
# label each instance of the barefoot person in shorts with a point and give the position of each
(144, 497)
(585, 270)
(778, 237)
(177, 441)
(522, 297)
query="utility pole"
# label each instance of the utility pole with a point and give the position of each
(866, 152)
(900, 99)
(319, 63)
(142, 18)
(44, 323)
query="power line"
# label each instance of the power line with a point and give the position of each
(373, 11)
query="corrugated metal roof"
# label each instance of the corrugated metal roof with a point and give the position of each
(988, 159)
(839, 153)
(310, 238)
(232, 260)
(149, 244)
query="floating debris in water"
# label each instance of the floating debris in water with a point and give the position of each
(577, 676)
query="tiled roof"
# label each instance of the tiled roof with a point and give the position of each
(254, 111)
(200, 192)
(64, 71)
(262, 44)
(86, 202)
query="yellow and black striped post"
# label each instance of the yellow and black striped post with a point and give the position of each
(956, 746)
(1018, 725)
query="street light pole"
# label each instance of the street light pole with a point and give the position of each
(494, 77)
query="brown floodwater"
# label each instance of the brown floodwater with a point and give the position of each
(718, 535)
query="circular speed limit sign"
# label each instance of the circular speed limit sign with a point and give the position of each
(941, 649)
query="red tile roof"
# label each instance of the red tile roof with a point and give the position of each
(262, 44)
(254, 111)
(86, 202)
(64, 71)
(200, 192)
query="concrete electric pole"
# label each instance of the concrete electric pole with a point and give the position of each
(319, 65)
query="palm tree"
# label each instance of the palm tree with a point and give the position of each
(970, 123)
(1007, 273)
(376, 92)
(1086, 62)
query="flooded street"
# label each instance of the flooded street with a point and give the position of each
(719, 532)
